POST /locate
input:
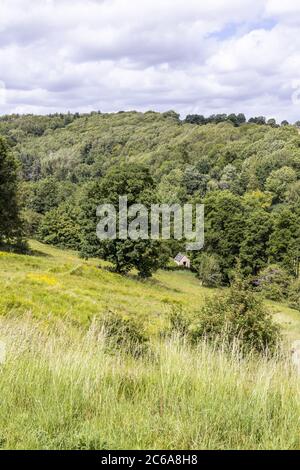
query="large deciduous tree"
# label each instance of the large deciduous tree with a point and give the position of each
(135, 182)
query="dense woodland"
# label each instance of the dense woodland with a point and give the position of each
(246, 173)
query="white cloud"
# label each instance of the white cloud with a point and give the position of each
(287, 10)
(216, 56)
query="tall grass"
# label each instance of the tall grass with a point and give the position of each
(61, 389)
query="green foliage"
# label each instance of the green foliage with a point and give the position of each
(70, 393)
(273, 281)
(171, 188)
(279, 181)
(294, 294)
(61, 227)
(208, 270)
(224, 228)
(261, 120)
(48, 193)
(135, 182)
(292, 194)
(179, 324)
(229, 179)
(253, 248)
(284, 241)
(123, 334)
(32, 221)
(240, 316)
(249, 170)
(11, 230)
(257, 200)
(236, 120)
(194, 180)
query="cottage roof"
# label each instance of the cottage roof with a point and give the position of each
(179, 257)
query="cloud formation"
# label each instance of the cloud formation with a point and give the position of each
(192, 56)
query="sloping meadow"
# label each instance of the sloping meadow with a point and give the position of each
(62, 389)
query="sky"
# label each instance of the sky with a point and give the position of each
(193, 56)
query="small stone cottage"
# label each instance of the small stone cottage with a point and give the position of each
(182, 260)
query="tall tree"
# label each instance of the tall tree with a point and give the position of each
(10, 224)
(135, 182)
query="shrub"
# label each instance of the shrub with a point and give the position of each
(294, 295)
(178, 323)
(123, 334)
(238, 315)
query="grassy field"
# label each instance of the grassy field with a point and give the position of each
(53, 284)
(62, 391)
(61, 388)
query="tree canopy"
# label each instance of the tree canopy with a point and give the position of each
(247, 173)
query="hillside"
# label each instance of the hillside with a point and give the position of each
(55, 145)
(246, 173)
(61, 388)
(54, 284)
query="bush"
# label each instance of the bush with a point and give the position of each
(178, 324)
(123, 334)
(294, 295)
(238, 315)
(273, 282)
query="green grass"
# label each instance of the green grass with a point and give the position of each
(53, 284)
(288, 318)
(56, 283)
(61, 389)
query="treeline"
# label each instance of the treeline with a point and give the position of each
(246, 173)
(35, 125)
(235, 119)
